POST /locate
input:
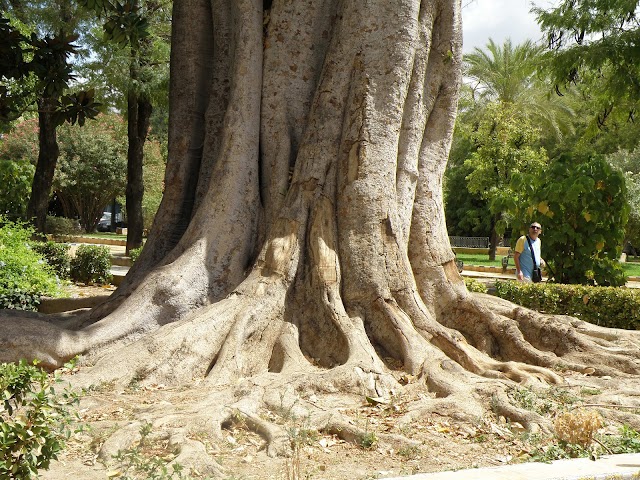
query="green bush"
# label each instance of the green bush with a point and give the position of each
(582, 205)
(92, 264)
(20, 300)
(62, 226)
(56, 255)
(35, 421)
(474, 285)
(24, 274)
(135, 254)
(614, 307)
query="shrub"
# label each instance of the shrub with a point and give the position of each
(474, 285)
(15, 186)
(135, 254)
(92, 264)
(56, 255)
(34, 420)
(577, 427)
(24, 274)
(61, 226)
(20, 300)
(614, 307)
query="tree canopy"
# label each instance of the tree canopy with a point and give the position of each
(596, 41)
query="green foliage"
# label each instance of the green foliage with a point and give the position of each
(15, 187)
(474, 285)
(511, 75)
(135, 254)
(56, 255)
(503, 73)
(18, 156)
(46, 58)
(627, 442)
(91, 168)
(24, 274)
(629, 164)
(92, 264)
(466, 213)
(505, 141)
(505, 147)
(583, 209)
(595, 40)
(605, 306)
(35, 421)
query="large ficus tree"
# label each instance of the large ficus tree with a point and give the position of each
(301, 244)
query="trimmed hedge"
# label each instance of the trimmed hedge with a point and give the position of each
(474, 285)
(615, 307)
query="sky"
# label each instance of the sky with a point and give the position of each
(499, 20)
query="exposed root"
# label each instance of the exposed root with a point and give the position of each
(532, 421)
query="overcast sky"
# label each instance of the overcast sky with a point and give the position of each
(499, 20)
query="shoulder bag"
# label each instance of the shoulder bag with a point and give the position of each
(536, 274)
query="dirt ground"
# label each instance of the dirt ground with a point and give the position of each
(439, 442)
(442, 443)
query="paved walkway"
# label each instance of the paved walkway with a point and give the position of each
(609, 467)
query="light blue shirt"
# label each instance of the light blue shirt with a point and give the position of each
(526, 263)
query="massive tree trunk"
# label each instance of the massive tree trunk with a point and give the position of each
(301, 242)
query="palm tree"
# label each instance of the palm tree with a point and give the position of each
(509, 80)
(514, 75)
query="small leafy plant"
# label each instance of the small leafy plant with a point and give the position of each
(35, 421)
(56, 255)
(92, 264)
(147, 460)
(474, 285)
(135, 254)
(25, 276)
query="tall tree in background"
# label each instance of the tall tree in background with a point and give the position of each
(511, 75)
(503, 98)
(506, 144)
(596, 41)
(301, 245)
(50, 47)
(138, 28)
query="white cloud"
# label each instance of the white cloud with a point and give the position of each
(499, 20)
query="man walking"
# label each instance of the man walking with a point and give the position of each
(526, 261)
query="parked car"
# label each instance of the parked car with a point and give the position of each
(104, 224)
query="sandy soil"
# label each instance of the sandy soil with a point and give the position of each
(442, 443)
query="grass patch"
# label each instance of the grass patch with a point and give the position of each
(105, 236)
(631, 268)
(480, 259)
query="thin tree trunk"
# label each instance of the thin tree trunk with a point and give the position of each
(46, 166)
(138, 118)
(495, 239)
